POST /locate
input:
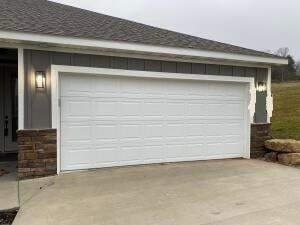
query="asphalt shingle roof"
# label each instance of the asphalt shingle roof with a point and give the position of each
(46, 17)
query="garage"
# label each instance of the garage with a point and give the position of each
(110, 120)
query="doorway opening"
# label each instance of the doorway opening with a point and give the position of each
(8, 110)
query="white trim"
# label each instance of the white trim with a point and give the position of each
(252, 102)
(269, 98)
(248, 114)
(56, 70)
(88, 51)
(20, 88)
(79, 50)
(134, 47)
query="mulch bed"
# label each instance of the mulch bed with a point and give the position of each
(7, 218)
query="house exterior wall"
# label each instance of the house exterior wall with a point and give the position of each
(37, 103)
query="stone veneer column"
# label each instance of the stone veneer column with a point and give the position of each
(37, 153)
(260, 132)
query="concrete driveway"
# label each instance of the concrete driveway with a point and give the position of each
(8, 186)
(227, 192)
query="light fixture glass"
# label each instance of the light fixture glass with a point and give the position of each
(261, 86)
(40, 79)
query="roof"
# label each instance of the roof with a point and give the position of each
(50, 18)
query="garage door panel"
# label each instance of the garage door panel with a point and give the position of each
(215, 109)
(233, 128)
(186, 153)
(175, 109)
(230, 89)
(175, 130)
(195, 129)
(192, 150)
(106, 156)
(106, 143)
(233, 109)
(113, 121)
(76, 109)
(152, 88)
(233, 139)
(153, 131)
(214, 150)
(175, 150)
(175, 88)
(76, 158)
(195, 140)
(154, 153)
(213, 139)
(159, 142)
(216, 130)
(203, 109)
(108, 85)
(105, 108)
(70, 146)
(105, 131)
(131, 154)
(232, 148)
(80, 86)
(130, 108)
(130, 131)
(151, 108)
(72, 131)
(170, 141)
(131, 86)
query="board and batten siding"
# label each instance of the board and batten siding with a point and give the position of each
(38, 102)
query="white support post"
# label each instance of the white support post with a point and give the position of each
(269, 100)
(21, 88)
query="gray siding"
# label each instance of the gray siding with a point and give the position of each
(260, 107)
(38, 103)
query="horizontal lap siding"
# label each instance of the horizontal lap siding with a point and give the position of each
(38, 103)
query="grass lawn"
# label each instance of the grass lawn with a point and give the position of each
(286, 114)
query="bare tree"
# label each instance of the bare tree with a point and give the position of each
(283, 52)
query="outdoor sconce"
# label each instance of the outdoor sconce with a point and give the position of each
(261, 86)
(40, 79)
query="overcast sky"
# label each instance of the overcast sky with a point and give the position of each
(258, 24)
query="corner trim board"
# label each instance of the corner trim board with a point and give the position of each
(58, 70)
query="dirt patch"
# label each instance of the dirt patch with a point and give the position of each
(3, 172)
(7, 218)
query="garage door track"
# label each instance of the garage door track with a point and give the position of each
(227, 192)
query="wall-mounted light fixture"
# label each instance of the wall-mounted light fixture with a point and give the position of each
(40, 79)
(261, 86)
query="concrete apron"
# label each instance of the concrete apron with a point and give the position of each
(9, 200)
(217, 192)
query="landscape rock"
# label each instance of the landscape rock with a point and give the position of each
(271, 156)
(289, 158)
(283, 145)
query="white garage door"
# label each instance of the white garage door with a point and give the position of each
(113, 121)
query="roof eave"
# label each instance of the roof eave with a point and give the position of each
(54, 40)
